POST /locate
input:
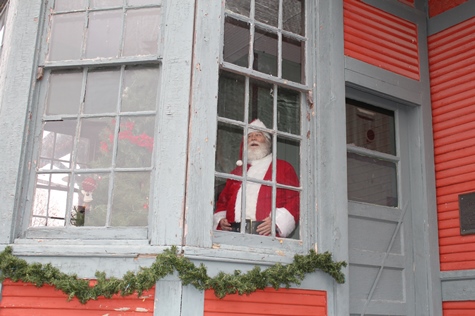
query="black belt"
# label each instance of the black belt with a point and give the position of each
(250, 227)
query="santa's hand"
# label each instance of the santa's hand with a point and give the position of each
(224, 224)
(265, 228)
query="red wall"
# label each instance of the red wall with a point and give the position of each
(458, 308)
(22, 299)
(268, 302)
(381, 39)
(452, 74)
(440, 6)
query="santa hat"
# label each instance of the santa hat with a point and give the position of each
(255, 123)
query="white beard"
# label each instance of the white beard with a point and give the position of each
(256, 153)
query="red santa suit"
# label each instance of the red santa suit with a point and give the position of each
(259, 197)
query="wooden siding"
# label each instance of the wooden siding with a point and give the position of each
(439, 6)
(458, 308)
(381, 39)
(19, 299)
(452, 65)
(268, 302)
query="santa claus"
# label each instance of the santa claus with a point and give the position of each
(258, 206)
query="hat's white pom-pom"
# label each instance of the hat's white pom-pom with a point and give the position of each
(239, 163)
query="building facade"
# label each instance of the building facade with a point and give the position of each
(122, 121)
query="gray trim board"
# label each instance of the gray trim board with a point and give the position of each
(398, 9)
(451, 17)
(458, 285)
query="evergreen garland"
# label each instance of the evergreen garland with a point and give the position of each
(167, 263)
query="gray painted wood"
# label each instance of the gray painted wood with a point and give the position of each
(168, 297)
(449, 18)
(330, 146)
(458, 285)
(399, 9)
(17, 75)
(170, 177)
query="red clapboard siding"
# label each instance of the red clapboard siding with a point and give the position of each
(381, 39)
(22, 299)
(461, 308)
(268, 302)
(408, 2)
(452, 75)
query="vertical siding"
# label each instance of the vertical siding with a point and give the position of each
(440, 6)
(458, 308)
(20, 299)
(381, 39)
(268, 302)
(452, 65)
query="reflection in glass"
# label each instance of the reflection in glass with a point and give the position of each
(102, 91)
(372, 180)
(265, 52)
(91, 207)
(228, 144)
(104, 33)
(135, 145)
(64, 93)
(57, 145)
(292, 16)
(95, 143)
(142, 28)
(370, 127)
(130, 202)
(292, 52)
(66, 36)
(236, 42)
(288, 111)
(231, 96)
(242, 7)
(140, 88)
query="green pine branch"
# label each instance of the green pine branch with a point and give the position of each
(167, 263)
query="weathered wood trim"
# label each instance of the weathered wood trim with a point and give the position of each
(458, 285)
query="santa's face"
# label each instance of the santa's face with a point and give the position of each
(258, 146)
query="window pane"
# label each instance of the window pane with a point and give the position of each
(292, 16)
(142, 28)
(261, 102)
(265, 52)
(106, 3)
(370, 127)
(143, 2)
(130, 202)
(289, 150)
(267, 12)
(140, 88)
(104, 34)
(372, 180)
(102, 91)
(64, 93)
(231, 96)
(292, 52)
(135, 145)
(91, 207)
(228, 145)
(66, 36)
(68, 5)
(57, 145)
(96, 143)
(288, 111)
(236, 42)
(242, 7)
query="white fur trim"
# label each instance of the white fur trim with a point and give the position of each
(285, 222)
(257, 170)
(217, 217)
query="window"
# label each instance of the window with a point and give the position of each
(97, 114)
(262, 84)
(3, 16)
(372, 158)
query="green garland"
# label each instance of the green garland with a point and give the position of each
(167, 263)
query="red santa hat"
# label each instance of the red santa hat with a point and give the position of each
(255, 123)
